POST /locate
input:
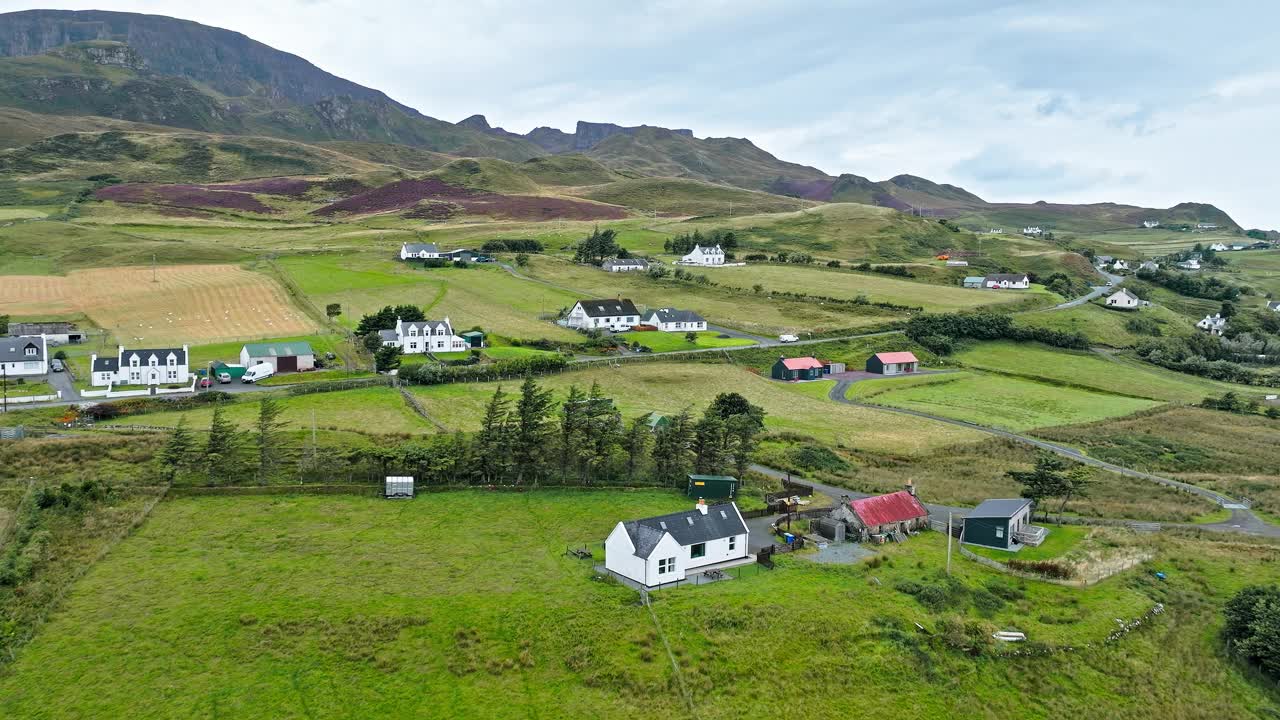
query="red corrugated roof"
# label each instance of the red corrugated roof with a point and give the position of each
(897, 357)
(804, 363)
(885, 509)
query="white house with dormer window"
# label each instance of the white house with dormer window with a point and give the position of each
(152, 366)
(419, 251)
(1213, 324)
(1148, 224)
(1032, 230)
(24, 355)
(704, 256)
(669, 548)
(620, 314)
(415, 338)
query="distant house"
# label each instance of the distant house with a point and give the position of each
(793, 369)
(624, 265)
(55, 333)
(957, 263)
(704, 256)
(1214, 325)
(293, 356)
(1273, 306)
(897, 512)
(24, 355)
(1218, 247)
(671, 320)
(1192, 264)
(1123, 300)
(1032, 230)
(667, 548)
(656, 422)
(150, 366)
(419, 251)
(1236, 247)
(1001, 524)
(1148, 266)
(1008, 281)
(415, 338)
(996, 231)
(1206, 226)
(1119, 265)
(1150, 224)
(712, 487)
(603, 314)
(1103, 259)
(975, 281)
(892, 363)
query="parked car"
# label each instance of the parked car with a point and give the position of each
(788, 338)
(57, 365)
(206, 382)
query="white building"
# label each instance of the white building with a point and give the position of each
(1120, 265)
(625, 265)
(1192, 264)
(24, 355)
(1213, 325)
(1218, 247)
(996, 231)
(671, 320)
(1273, 306)
(604, 314)
(668, 548)
(151, 366)
(415, 338)
(1008, 282)
(1206, 226)
(1032, 230)
(704, 256)
(1237, 247)
(419, 251)
(1123, 300)
(1150, 224)
(1149, 266)
(55, 333)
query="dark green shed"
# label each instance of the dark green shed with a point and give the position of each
(474, 339)
(994, 523)
(713, 487)
(803, 368)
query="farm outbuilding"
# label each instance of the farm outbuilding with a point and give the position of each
(713, 487)
(832, 368)
(474, 338)
(1003, 524)
(792, 369)
(398, 486)
(892, 363)
(897, 512)
(283, 356)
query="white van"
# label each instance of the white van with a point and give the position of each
(788, 338)
(258, 372)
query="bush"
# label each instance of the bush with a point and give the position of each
(1047, 568)
(1252, 627)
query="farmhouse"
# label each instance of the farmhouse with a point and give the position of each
(667, 548)
(152, 366)
(1218, 247)
(957, 263)
(712, 487)
(704, 256)
(1148, 266)
(975, 281)
(1273, 305)
(283, 356)
(1119, 265)
(606, 314)
(419, 251)
(1191, 264)
(1008, 281)
(1123, 300)
(55, 333)
(1103, 259)
(671, 320)
(1206, 226)
(25, 355)
(898, 512)
(1150, 224)
(892, 363)
(1002, 524)
(1214, 325)
(1032, 230)
(415, 338)
(1237, 246)
(793, 369)
(624, 265)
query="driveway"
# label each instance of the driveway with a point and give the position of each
(62, 381)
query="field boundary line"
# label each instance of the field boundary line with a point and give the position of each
(675, 666)
(416, 406)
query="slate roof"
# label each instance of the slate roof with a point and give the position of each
(625, 262)
(608, 308)
(802, 363)
(974, 279)
(896, 357)
(1004, 508)
(106, 364)
(161, 355)
(426, 324)
(1273, 305)
(41, 328)
(895, 507)
(14, 349)
(688, 527)
(1007, 276)
(1122, 293)
(388, 335)
(416, 248)
(668, 315)
(280, 349)
(707, 250)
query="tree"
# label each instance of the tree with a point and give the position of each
(268, 437)
(387, 358)
(333, 310)
(385, 319)
(176, 454)
(691, 337)
(1047, 480)
(727, 405)
(1252, 627)
(740, 431)
(492, 443)
(757, 288)
(522, 259)
(1227, 310)
(673, 454)
(220, 447)
(709, 446)
(371, 341)
(603, 426)
(597, 246)
(636, 443)
(572, 428)
(532, 431)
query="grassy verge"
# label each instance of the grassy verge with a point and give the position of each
(675, 341)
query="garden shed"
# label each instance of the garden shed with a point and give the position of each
(713, 487)
(792, 369)
(475, 338)
(1004, 524)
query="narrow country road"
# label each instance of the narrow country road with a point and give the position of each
(1097, 291)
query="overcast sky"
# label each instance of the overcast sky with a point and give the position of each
(1149, 102)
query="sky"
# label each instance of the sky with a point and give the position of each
(1147, 102)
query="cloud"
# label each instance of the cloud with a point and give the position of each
(1002, 166)
(1249, 85)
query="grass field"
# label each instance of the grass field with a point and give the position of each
(1107, 327)
(673, 341)
(229, 352)
(170, 305)
(315, 606)
(995, 400)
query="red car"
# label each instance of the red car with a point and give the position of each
(206, 383)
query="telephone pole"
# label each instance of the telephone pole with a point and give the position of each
(948, 544)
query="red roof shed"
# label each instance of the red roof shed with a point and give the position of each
(897, 357)
(803, 363)
(896, 507)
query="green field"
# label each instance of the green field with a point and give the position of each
(674, 341)
(996, 400)
(313, 606)
(1107, 327)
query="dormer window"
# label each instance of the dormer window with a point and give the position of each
(31, 350)
(133, 361)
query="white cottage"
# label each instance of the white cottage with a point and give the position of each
(24, 355)
(704, 256)
(1008, 281)
(1218, 247)
(1123, 300)
(1150, 224)
(625, 265)
(1149, 266)
(1120, 265)
(1032, 230)
(419, 251)
(1214, 325)
(415, 338)
(604, 314)
(668, 548)
(671, 320)
(151, 366)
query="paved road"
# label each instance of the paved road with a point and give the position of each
(1098, 290)
(1242, 519)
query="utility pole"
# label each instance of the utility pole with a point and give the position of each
(153, 268)
(4, 385)
(948, 544)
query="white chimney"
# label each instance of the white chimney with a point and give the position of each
(702, 506)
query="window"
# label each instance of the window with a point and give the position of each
(698, 550)
(666, 565)
(733, 543)
(1000, 532)
(32, 350)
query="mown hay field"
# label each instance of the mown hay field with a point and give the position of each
(167, 305)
